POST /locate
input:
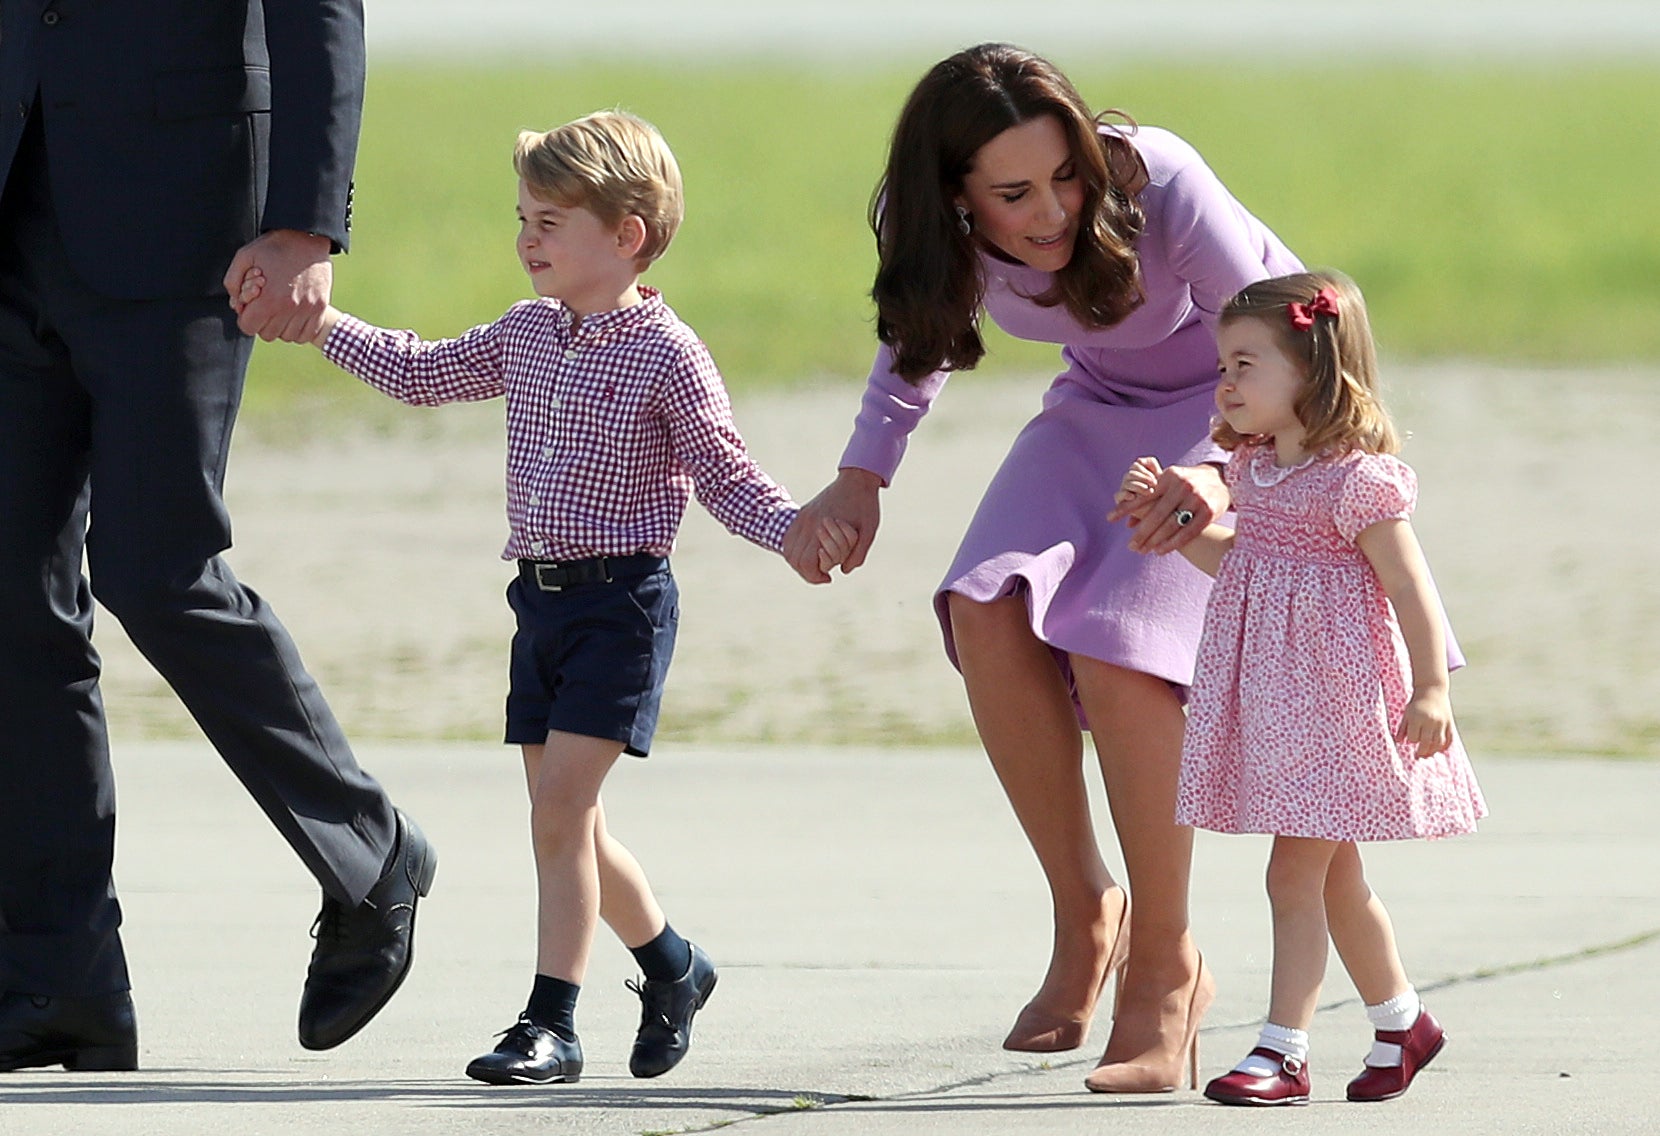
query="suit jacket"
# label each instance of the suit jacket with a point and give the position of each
(178, 130)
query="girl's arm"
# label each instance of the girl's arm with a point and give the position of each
(1204, 550)
(1394, 552)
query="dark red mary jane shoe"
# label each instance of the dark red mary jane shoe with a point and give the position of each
(1419, 1045)
(1287, 1085)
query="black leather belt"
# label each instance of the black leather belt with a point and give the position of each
(552, 575)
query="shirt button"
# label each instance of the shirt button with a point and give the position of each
(535, 500)
(548, 452)
(539, 547)
(49, 18)
(554, 403)
(570, 354)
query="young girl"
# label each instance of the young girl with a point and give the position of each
(1319, 708)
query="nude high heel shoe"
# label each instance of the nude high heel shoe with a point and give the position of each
(1037, 1030)
(1154, 1072)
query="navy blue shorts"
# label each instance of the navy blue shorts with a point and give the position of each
(590, 658)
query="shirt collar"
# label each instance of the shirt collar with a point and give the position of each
(618, 321)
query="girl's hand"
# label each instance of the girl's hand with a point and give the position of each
(1183, 501)
(1138, 482)
(1427, 721)
(836, 541)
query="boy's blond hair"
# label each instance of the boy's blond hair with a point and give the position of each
(613, 164)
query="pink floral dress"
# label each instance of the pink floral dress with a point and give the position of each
(1303, 674)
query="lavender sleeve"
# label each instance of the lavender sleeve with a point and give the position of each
(889, 411)
(1214, 244)
(1216, 248)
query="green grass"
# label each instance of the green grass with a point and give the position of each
(1502, 212)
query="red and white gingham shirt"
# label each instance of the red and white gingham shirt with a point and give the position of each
(610, 428)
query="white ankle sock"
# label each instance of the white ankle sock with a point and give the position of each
(1396, 1014)
(1281, 1039)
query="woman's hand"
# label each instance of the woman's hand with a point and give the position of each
(850, 501)
(1139, 480)
(1183, 500)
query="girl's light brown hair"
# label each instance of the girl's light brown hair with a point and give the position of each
(1341, 405)
(928, 289)
(613, 164)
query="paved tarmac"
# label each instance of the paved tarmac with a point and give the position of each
(878, 920)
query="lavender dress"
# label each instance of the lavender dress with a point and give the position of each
(1143, 386)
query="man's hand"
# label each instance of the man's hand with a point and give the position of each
(298, 278)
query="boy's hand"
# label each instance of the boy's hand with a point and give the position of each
(253, 283)
(836, 542)
(1427, 721)
(1139, 481)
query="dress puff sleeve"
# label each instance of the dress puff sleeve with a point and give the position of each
(1379, 487)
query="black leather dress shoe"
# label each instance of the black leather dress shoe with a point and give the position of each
(666, 1010)
(363, 954)
(94, 1035)
(529, 1055)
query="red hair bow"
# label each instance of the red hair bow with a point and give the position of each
(1324, 303)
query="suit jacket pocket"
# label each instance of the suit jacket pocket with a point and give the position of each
(211, 93)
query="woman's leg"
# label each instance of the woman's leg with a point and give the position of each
(1026, 722)
(1137, 721)
(1361, 930)
(564, 777)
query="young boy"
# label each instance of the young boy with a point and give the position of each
(615, 414)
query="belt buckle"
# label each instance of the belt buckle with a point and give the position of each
(543, 585)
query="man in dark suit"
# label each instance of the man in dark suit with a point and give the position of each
(148, 152)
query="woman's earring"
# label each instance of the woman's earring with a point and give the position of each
(963, 224)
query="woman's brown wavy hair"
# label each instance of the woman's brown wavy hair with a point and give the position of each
(928, 288)
(1340, 405)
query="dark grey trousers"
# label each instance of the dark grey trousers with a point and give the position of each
(115, 424)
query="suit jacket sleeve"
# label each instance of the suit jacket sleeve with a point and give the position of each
(317, 67)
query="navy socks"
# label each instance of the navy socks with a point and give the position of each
(553, 1000)
(665, 958)
(553, 1005)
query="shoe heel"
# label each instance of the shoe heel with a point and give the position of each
(1193, 1062)
(103, 1059)
(421, 872)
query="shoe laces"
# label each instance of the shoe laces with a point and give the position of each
(329, 926)
(654, 1000)
(523, 1026)
(522, 1035)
